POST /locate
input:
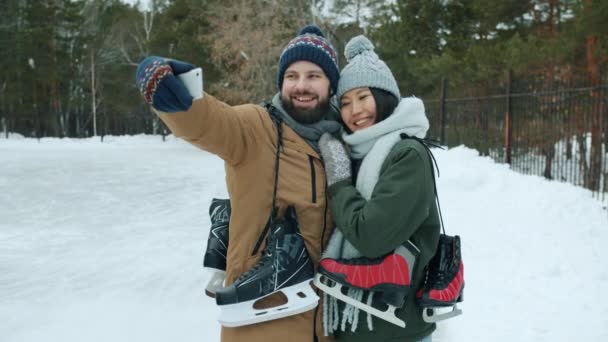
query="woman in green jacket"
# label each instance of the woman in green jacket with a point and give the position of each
(381, 200)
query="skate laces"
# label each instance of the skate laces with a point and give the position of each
(436, 279)
(433, 143)
(266, 255)
(444, 266)
(262, 262)
(276, 119)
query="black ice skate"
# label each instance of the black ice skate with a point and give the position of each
(217, 245)
(444, 281)
(284, 266)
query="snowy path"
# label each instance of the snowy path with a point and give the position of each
(104, 242)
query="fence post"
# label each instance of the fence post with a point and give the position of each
(442, 113)
(603, 123)
(508, 121)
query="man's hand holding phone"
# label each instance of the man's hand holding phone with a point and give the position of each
(159, 81)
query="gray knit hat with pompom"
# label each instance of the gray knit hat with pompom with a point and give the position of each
(365, 69)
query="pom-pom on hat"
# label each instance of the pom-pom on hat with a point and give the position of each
(310, 45)
(365, 69)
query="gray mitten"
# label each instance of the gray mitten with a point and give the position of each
(336, 159)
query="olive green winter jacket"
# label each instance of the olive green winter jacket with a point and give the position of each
(402, 207)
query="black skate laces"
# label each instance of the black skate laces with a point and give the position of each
(267, 254)
(261, 263)
(433, 143)
(276, 119)
(447, 265)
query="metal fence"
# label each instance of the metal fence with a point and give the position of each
(540, 126)
(130, 123)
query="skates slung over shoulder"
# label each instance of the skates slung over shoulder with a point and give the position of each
(365, 166)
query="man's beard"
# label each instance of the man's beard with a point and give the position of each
(308, 115)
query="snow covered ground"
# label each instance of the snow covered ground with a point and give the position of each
(104, 242)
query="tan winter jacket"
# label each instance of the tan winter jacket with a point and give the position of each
(245, 137)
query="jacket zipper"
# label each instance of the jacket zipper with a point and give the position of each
(313, 177)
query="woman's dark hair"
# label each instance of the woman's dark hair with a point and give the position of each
(385, 106)
(385, 103)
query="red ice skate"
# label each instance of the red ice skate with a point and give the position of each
(444, 283)
(390, 275)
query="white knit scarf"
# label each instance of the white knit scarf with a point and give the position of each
(373, 145)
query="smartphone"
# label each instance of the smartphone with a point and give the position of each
(193, 80)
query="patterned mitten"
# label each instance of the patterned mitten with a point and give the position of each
(156, 81)
(335, 158)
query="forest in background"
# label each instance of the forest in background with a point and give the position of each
(68, 65)
(521, 81)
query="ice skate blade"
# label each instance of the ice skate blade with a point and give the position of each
(216, 281)
(334, 291)
(300, 298)
(436, 317)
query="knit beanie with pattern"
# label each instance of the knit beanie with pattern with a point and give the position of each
(310, 45)
(365, 69)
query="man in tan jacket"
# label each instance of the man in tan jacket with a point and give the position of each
(245, 137)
